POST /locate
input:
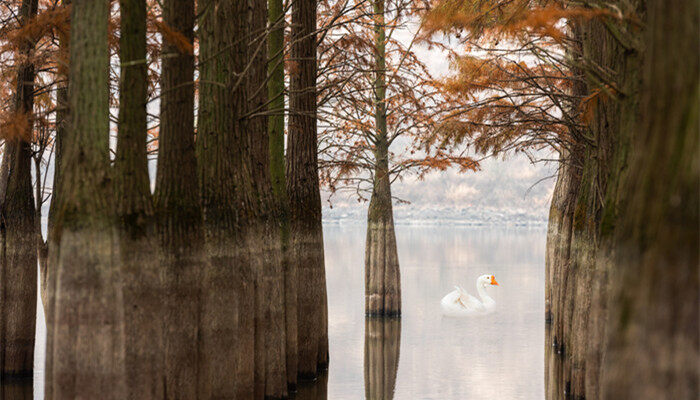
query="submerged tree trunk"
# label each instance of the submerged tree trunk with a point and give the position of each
(653, 334)
(17, 227)
(306, 240)
(382, 277)
(275, 108)
(85, 345)
(228, 282)
(178, 209)
(140, 270)
(266, 239)
(382, 345)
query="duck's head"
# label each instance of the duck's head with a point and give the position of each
(487, 280)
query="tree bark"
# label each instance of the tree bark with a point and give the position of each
(653, 334)
(140, 270)
(306, 240)
(270, 337)
(85, 347)
(382, 345)
(178, 209)
(227, 192)
(275, 85)
(62, 114)
(17, 227)
(382, 277)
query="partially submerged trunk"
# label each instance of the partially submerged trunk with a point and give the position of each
(382, 345)
(85, 343)
(140, 270)
(275, 109)
(18, 230)
(266, 239)
(306, 232)
(653, 337)
(382, 277)
(227, 192)
(178, 209)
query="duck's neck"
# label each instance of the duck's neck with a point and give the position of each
(485, 298)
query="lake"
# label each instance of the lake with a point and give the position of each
(424, 355)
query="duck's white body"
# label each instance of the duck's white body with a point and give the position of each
(459, 303)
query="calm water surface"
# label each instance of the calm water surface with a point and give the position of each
(424, 355)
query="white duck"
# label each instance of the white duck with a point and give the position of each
(459, 303)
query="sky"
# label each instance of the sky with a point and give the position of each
(504, 190)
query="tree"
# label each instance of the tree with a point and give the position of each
(306, 240)
(379, 95)
(276, 130)
(140, 271)
(17, 227)
(177, 204)
(83, 250)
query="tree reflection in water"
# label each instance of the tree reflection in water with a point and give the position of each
(313, 390)
(16, 388)
(382, 343)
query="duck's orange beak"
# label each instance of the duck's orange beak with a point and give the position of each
(493, 281)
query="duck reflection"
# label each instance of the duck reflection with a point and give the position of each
(382, 343)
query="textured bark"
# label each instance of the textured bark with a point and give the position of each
(270, 337)
(18, 230)
(61, 126)
(178, 209)
(382, 277)
(306, 240)
(621, 303)
(85, 345)
(140, 270)
(275, 87)
(382, 345)
(227, 192)
(653, 334)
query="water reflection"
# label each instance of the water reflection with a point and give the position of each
(313, 390)
(382, 343)
(16, 389)
(498, 356)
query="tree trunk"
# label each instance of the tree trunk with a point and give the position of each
(306, 240)
(275, 40)
(228, 282)
(382, 277)
(85, 347)
(382, 345)
(653, 334)
(270, 334)
(61, 126)
(17, 227)
(140, 270)
(178, 209)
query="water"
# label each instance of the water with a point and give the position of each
(425, 355)
(496, 356)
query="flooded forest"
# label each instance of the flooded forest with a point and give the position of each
(167, 166)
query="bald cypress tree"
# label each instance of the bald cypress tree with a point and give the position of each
(17, 229)
(178, 209)
(85, 348)
(306, 232)
(140, 270)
